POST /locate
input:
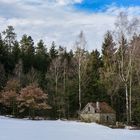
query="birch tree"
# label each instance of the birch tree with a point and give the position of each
(80, 56)
(124, 71)
(125, 29)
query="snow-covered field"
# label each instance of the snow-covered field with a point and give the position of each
(16, 129)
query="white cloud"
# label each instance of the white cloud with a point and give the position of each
(66, 2)
(59, 2)
(58, 22)
(132, 11)
(9, 1)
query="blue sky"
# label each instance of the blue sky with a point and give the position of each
(96, 5)
(62, 20)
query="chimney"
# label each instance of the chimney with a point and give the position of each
(97, 105)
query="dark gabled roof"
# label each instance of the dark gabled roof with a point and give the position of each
(103, 107)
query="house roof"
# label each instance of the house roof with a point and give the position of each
(103, 107)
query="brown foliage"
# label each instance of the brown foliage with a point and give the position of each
(33, 98)
(12, 85)
(8, 98)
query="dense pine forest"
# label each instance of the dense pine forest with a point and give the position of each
(37, 79)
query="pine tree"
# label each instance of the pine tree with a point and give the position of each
(94, 90)
(9, 37)
(16, 52)
(41, 62)
(53, 52)
(109, 75)
(27, 52)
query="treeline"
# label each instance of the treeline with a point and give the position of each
(50, 81)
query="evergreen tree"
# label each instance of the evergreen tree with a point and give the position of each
(53, 52)
(109, 75)
(41, 57)
(108, 50)
(41, 63)
(2, 77)
(16, 52)
(9, 37)
(94, 90)
(27, 52)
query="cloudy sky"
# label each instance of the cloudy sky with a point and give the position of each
(62, 20)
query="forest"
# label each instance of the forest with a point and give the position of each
(52, 82)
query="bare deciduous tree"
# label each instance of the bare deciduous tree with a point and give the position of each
(80, 56)
(126, 28)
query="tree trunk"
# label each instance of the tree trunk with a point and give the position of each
(130, 101)
(13, 110)
(130, 91)
(68, 102)
(79, 74)
(56, 90)
(127, 103)
(64, 100)
(111, 98)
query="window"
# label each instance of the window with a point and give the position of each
(107, 118)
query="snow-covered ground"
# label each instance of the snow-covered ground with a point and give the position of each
(16, 129)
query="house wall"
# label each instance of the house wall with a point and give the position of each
(109, 118)
(90, 117)
(106, 118)
(87, 111)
